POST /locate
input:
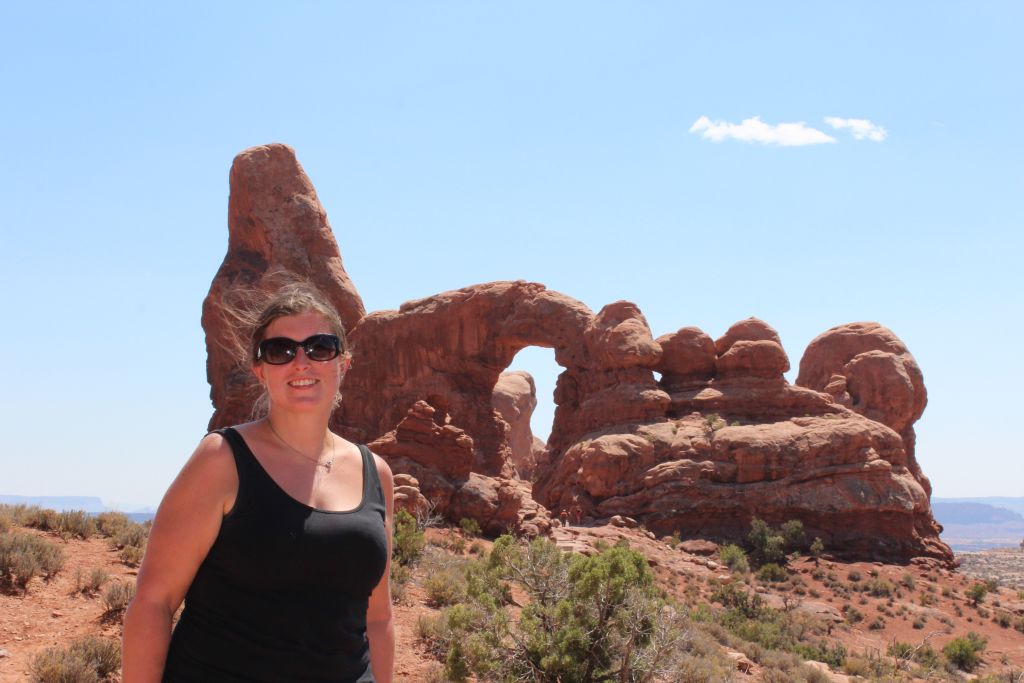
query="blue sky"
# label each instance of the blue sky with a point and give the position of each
(457, 143)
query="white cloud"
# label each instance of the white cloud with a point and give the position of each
(861, 129)
(756, 130)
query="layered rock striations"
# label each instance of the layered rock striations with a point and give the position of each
(719, 438)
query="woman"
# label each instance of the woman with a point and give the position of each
(276, 533)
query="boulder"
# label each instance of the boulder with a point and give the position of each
(872, 367)
(751, 348)
(699, 547)
(688, 357)
(408, 496)
(866, 367)
(618, 337)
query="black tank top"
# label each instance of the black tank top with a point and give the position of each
(283, 592)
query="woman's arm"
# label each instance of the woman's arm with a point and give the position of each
(380, 628)
(185, 527)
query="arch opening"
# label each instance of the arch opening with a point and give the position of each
(524, 396)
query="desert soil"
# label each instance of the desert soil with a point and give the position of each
(53, 613)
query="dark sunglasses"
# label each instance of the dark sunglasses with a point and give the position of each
(282, 350)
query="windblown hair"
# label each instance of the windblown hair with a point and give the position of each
(295, 299)
(250, 311)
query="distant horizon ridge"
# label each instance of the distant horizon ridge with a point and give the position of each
(84, 503)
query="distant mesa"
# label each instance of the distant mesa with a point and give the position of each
(722, 437)
(971, 526)
(974, 513)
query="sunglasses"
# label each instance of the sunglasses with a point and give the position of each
(282, 350)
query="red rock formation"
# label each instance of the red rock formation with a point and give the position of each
(607, 380)
(751, 348)
(408, 496)
(738, 441)
(866, 367)
(275, 225)
(449, 350)
(439, 455)
(515, 398)
(688, 358)
(723, 437)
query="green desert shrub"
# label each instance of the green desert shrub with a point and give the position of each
(965, 652)
(39, 518)
(131, 555)
(586, 619)
(85, 660)
(25, 555)
(133, 534)
(816, 548)
(864, 667)
(927, 657)
(977, 592)
(880, 588)
(853, 615)
(58, 665)
(91, 582)
(794, 535)
(768, 544)
(470, 527)
(733, 557)
(75, 524)
(117, 596)
(765, 544)
(400, 576)
(445, 586)
(409, 540)
(110, 524)
(772, 573)
(713, 422)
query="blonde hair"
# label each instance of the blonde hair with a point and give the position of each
(250, 312)
(295, 299)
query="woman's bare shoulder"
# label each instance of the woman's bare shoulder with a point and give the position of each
(212, 465)
(383, 469)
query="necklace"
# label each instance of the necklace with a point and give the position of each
(326, 464)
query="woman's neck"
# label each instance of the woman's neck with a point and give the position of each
(305, 432)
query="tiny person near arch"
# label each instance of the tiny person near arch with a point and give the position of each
(275, 534)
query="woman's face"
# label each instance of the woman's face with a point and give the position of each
(302, 384)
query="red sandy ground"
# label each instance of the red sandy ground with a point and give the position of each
(53, 614)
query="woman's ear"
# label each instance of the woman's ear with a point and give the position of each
(257, 371)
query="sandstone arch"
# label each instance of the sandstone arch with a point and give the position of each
(719, 437)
